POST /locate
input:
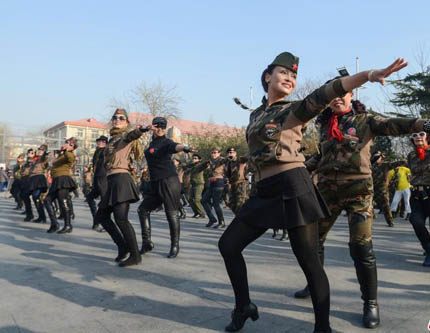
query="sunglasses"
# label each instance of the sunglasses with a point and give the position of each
(420, 134)
(214, 152)
(122, 118)
(70, 143)
(160, 126)
(196, 158)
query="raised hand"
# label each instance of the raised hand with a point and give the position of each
(379, 75)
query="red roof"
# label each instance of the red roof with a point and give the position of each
(86, 122)
(136, 118)
(185, 126)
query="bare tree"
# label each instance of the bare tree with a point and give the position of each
(157, 99)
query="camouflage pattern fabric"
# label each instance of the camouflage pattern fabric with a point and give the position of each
(420, 169)
(351, 156)
(274, 133)
(239, 193)
(354, 196)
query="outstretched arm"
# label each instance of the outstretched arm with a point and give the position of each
(349, 83)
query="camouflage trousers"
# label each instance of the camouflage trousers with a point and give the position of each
(382, 200)
(239, 193)
(356, 198)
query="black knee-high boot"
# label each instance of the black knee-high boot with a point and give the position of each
(174, 226)
(365, 267)
(40, 211)
(114, 233)
(70, 203)
(67, 218)
(53, 218)
(145, 225)
(93, 208)
(130, 238)
(305, 293)
(28, 211)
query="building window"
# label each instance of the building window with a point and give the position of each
(93, 146)
(80, 133)
(94, 135)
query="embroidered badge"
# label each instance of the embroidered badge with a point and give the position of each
(151, 150)
(352, 131)
(271, 130)
(295, 67)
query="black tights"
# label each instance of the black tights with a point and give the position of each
(121, 231)
(304, 242)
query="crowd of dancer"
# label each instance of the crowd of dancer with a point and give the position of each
(301, 196)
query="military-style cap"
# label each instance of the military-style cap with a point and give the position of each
(215, 149)
(159, 121)
(197, 155)
(22, 155)
(287, 60)
(44, 147)
(120, 112)
(230, 149)
(73, 141)
(102, 138)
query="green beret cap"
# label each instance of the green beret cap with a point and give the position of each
(287, 60)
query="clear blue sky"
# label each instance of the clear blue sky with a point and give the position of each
(65, 59)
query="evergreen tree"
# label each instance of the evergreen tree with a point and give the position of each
(413, 93)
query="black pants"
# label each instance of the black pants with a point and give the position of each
(304, 242)
(213, 195)
(165, 191)
(99, 189)
(420, 212)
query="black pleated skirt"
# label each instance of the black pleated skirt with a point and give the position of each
(284, 201)
(61, 183)
(25, 185)
(16, 187)
(121, 188)
(37, 182)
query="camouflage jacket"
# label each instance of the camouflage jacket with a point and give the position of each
(235, 170)
(274, 132)
(216, 168)
(117, 152)
(380, 173)
(350, 158)
(420, 169)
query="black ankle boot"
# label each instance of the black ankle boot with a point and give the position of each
(211, 223)
(221, 224)
(238, 317)
(28, 218)
(54, 228)
(174, 226)
(145, 226)
(304, 293)
(371, 314)
(122, 254)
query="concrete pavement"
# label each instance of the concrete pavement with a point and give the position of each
(69, 283)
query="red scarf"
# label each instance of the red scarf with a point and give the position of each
(333, 130)
(422, 152)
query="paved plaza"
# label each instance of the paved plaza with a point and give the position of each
(70, 283)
